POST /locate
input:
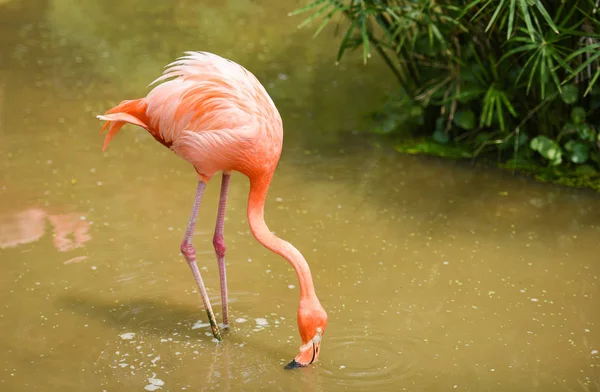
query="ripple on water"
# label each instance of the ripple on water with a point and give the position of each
(369, 361)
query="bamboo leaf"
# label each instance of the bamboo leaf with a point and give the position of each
(312, 5)
(438, 35)
(471, 5)
(592, 82)
(365, 38)
(523, 48)
(552, 72)
(511, 18)
(543, 73)
(384, 27)
(525, 14)
(532, 73)
(346, 38)
(589, 48)
(316, 14)
(324, 23)
(500, 114)
(592, 59)
(545, 15)
(499, 8)
(508, 105)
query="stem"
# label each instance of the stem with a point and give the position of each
(382, 53)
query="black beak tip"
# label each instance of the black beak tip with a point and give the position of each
(292, 365)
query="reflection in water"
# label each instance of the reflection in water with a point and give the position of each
(69, 231)
(436, 276)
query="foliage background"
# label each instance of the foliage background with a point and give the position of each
(512, 79)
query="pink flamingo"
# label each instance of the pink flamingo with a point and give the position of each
(216, 115)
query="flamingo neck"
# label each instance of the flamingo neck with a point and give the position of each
(256, 218)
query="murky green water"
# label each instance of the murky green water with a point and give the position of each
(436, 276)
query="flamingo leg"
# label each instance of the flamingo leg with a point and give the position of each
(219, 244)
(188, 251)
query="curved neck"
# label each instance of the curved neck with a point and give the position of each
(256, 218)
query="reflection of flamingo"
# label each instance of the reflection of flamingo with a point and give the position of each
(216, 115)
(29, 225)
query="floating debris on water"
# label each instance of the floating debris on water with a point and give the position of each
(127, 335)
(261, 322)
(200, 324)
(77, 259)
(240, 320)
(155, 383)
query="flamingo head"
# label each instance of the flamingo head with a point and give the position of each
(312, 321)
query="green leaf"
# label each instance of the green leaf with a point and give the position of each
(482, 137)
(578, 115)
(522, 139)
(511, 19)
(499, 8)
(592, 83)
(440, 123)
(577, 152)
(547, 148)
(364, 30)
(464, 119)
(307, 7)
(324, 23)
(313, 16)
(525, 15)
(591, 49)
(585, 132)
(570, 93)
(440, 136)
(346, 39)
(545, 15)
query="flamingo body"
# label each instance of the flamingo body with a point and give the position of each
(211, 112)
(217, 116)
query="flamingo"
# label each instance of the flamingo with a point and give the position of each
(216, 115)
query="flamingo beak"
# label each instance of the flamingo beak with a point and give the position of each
(309, 353)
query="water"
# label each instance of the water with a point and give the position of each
(436, 276)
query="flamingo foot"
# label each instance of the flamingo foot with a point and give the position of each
(293, 365)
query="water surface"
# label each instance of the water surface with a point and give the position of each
(436, 276)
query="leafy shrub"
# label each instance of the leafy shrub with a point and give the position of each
(518, 77)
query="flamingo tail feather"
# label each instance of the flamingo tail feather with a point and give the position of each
(127, 112)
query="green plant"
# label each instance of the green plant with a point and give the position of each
(514, 77)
